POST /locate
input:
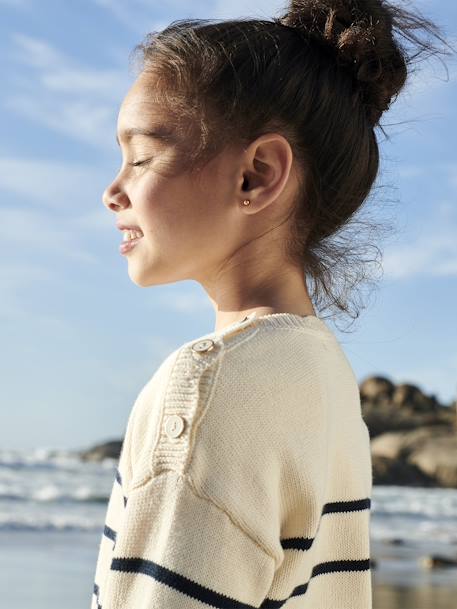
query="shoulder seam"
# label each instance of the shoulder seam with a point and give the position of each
(232, 518)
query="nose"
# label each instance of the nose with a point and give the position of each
(114, 199)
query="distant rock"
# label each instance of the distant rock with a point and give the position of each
(413, 398)
(413, 436)
(437, 561)
(377, 389)
(400, 444)
(436, 455)
(107, 450)
(388, 471)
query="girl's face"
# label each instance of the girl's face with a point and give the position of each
(190, 223)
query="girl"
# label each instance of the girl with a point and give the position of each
(245, 475)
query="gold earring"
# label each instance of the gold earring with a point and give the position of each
(246, 202)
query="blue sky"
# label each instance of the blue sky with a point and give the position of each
(79, 338)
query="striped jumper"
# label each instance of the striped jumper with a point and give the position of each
(244, 478)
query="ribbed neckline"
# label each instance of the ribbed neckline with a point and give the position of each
(276, 320)
(293, 320)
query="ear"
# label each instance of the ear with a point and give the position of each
(265, 170)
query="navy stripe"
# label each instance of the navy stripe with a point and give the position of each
(347, 506)
(323, 567)
(297, 543)
(304, 543)
(210, 597)
(221, 601)
(340, 565)
(97, 593)
(177, 582)
(118, 478)
(109, 532)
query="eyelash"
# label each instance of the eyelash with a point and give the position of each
(137, 163)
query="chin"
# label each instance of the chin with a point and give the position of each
(140, 284)
(141, 280)
(158, 271)
(146, 278)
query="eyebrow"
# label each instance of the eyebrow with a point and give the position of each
(157, 133)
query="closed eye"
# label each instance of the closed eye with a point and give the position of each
(137, 163)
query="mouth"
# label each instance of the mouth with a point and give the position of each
(132, 235)
(131, 238)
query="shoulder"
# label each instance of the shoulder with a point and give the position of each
(226, 411)
(173, 402)
(221, 389)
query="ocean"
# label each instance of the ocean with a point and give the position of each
(52, 513)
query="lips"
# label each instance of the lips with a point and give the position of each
(128, 227)
(126, 246)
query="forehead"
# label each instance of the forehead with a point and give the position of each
(142, 114)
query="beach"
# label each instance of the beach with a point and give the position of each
(52, 511)
(48, 570)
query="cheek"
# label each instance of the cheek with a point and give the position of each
(164, 212)
(149, 203)
(181, 217)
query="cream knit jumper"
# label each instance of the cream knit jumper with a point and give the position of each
(244, 478)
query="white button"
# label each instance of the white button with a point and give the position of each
(203, 345)
(174, 426)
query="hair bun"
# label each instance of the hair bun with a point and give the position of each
(360, 32)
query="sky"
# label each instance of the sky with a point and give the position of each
(79, 338)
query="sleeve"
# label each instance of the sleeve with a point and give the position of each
(191, 533)
(178, 550)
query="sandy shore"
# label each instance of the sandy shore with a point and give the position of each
(400, 582)
(64, 562)
(386, 596)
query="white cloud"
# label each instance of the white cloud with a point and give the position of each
(14, 3)
(239, 8)
(99, 219)
(18, 282)
(30, 231)
(54, 184)
(82, 120)
(428, 247)
(34, 52)
(15, 277)
(57, 92)
(137, 15)
(433, 253)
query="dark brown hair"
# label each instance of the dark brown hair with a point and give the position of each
(321, 74)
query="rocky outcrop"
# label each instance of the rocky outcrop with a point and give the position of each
(390, 471)
(107, 450)
(386, 407)
(432, 450)
(413, 436)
